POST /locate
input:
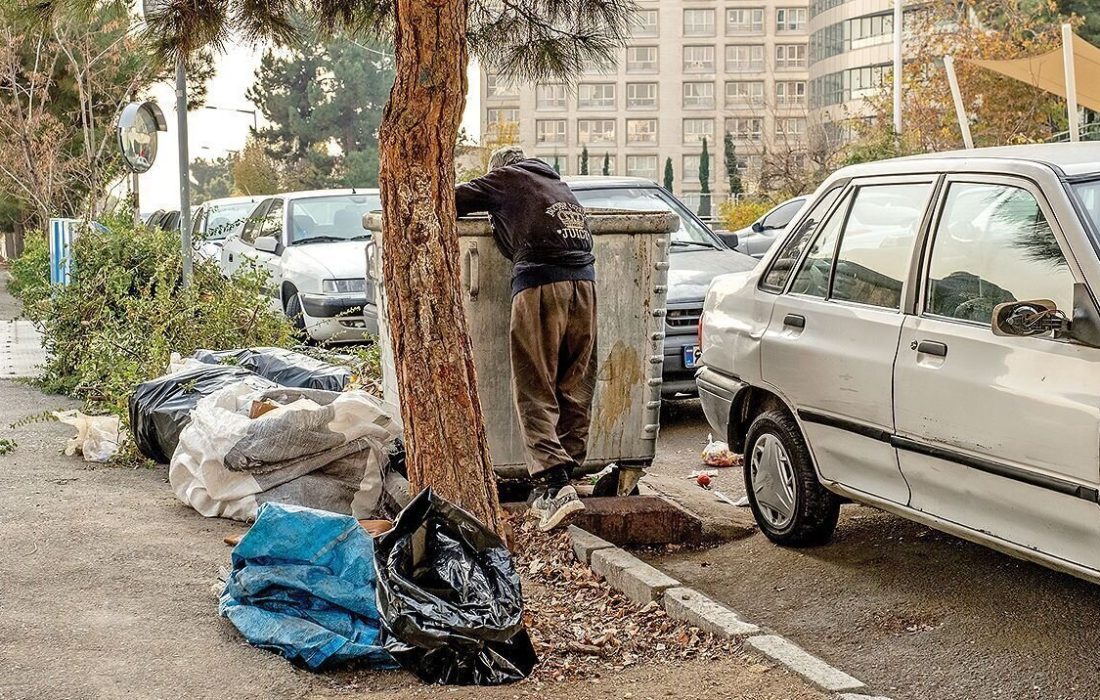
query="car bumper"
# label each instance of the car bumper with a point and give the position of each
(339, 318)
(717, 393)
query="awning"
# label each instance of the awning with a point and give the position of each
(1047, 71)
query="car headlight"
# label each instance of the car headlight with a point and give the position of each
(344, 286)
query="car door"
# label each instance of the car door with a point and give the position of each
(999, 434)
(830, 344)
(237, 248)
(272, 226)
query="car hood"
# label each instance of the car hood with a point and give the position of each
(690, 271)
(333, 260)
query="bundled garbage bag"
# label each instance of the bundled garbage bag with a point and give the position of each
(97, 437)
(160, 408)
(284, 367)
(303, 585)
(450, 597)
(307, 447)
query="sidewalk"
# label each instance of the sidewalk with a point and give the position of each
(106, 592)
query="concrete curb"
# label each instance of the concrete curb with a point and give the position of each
(643, 583)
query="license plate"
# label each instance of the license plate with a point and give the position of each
(691, 356)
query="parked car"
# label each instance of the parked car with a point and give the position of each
(215, 219)
(925, 340)
(313, 244)
(164, 219)
(696, 256)
(757, 238)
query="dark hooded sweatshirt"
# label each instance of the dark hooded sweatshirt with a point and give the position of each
(537, 222)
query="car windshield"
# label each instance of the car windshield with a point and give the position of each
(691, 233)
(1088, 194)
(222, 219)
(337, 217)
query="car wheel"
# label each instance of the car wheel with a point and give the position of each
(789, 503)
(294, 313)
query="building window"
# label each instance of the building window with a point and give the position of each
(641, 95)
(596, 96)
(496, 87)
(692, 200)
(790, 19)
(790, 127)
(745, 58)
(746, 20)
(596, 163)
(641, 59)
(698, 95)
(641, 131)
(744, 93)
(549, 131)
(856, 33)
(691, 168)
(790, 93)
(698, 22)
(592, 66)
(502, 115)
(846, 85)
(698, 59)
(790, 56)
(644, 23)
(550, 96)
(642, 166)
(749, 129)
(591, 131)
(695, 130)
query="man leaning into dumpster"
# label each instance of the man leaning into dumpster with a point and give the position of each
(540, 226)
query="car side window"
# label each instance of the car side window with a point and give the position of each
(273, 221)
(877, 243)
(782, 215)
(196, 224)
(251, 229)
(993, 245)
(813, 275)
(780, 271)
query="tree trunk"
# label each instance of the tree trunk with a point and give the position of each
(444, 426)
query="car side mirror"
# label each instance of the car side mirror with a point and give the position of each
(1024, 318)
(757, 227)
(267, 244)
(730, 239)
(1086, 318)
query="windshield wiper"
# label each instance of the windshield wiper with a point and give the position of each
(318, 239)
(686, 244)
(363, 237)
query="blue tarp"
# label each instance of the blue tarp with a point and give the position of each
(303, 585)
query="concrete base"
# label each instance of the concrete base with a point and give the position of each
(636, 521)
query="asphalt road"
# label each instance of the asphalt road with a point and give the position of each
(915, 614)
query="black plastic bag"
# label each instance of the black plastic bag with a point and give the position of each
(161, 408)
(284, 367)
(450, 597)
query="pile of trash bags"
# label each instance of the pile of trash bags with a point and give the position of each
(273, 425)
(449, 607)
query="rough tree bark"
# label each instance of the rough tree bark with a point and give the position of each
(444, 426)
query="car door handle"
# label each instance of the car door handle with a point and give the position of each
(231, 257)
(794, 321)
(929, 347)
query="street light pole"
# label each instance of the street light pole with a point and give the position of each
(185, 170)
(897, 67)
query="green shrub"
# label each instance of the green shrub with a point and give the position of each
(126, 311)
(30, 272)
(739, 214)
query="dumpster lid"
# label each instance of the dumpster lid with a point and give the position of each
(600, 222)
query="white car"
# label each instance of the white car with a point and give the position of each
(215, 219)
(926, 340)
(313, 244)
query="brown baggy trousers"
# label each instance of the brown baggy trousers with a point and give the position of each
(553, 335)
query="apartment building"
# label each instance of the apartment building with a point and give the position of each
(692, 70)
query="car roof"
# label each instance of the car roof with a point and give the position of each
(592, 182)
(305, 194)
(245, 199)
(1068, 159)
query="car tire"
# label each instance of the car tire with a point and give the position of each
(788, 501)
(294, 313)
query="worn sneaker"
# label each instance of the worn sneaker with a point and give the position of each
(536, 501)
(559, 508)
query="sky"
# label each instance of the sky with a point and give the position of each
(219, 128)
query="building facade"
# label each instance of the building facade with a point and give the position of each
(692, 70)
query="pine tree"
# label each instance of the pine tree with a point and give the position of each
(704, 181)
(606, 164)
(732, 174)
(557, 165)
(668, 175)
(584, 160)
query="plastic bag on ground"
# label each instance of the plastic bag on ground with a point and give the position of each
(319, 449)
(450, 597)
(161, 408)
(303, 585)
(97, 437)
(718, 454)
(284, 367)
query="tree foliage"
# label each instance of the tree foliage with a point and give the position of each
(211, 178)
(704, 180)
(732, 175)
(668, 175)
(254, 172)
(584, 161)
(606, 170)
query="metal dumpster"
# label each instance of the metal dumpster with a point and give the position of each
(631, 250)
